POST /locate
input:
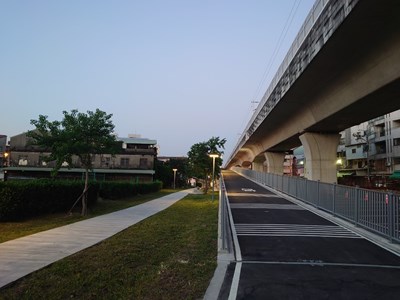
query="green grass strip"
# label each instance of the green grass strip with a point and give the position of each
(171, 255)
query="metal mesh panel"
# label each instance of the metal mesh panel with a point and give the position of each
(345, 202)
(376, 211)
(373, 211)
(326, 196)
(285, 184)
(293, 186)
(396, 217)
(301, 189)
(312, 192)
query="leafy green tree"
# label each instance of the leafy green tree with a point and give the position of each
(200, 163)
(181, 164)
(78, 134)
(164, 173)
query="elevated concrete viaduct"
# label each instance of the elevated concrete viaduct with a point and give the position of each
(346, 71)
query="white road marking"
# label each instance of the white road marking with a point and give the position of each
(294, 230)
(248, 190)
(235, 281)
(253, 195)
(265, 206)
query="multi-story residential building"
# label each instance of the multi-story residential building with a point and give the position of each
(368, 153)
(3, 150)
(372, 149)
(134, 161)
(3, 155)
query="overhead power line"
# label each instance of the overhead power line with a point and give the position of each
(278, 46)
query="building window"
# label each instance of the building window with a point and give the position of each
(143, 163)
(380, 147)
(124, 162)
(23, 160)
(353, 150)
(396, 142)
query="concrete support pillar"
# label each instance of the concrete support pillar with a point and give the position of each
(274, 161)
(258, 166)
(238, 162)
(320, 151)
(258, 163)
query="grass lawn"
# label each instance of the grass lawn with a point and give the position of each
(171, 255)
(13, 230)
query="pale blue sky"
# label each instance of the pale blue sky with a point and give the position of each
(177, 71)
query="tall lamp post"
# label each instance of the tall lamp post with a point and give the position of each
(5, 161)
(213, 156)
(174, 175)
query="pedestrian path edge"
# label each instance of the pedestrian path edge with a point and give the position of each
(27, 254)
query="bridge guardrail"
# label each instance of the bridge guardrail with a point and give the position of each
(225, 243)
(376, 211)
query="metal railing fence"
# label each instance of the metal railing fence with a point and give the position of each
(375, 211)
(224, 229)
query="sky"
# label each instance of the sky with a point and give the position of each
(176, 71)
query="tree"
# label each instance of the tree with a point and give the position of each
(200, 163)
(78, 134)
(165, 174)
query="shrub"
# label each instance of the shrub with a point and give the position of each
(22, 199)
(122, 189)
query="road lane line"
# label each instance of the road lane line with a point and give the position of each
(238, 253)
(265, 206)
(320, 263)
(333, 231)
(235, 281)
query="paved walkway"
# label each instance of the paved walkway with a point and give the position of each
(22, 256)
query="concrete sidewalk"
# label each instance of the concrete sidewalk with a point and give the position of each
(22, 256)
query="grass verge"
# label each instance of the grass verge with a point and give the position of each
(13, 230)
(171, 255)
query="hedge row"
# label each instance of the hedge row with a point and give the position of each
(23, 199)
(117, 190)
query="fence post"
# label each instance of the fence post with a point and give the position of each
(306, 193)
(334, 200)
(391, 211)
(356, 205)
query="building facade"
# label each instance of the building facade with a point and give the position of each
(3, 155)
(368, 154)
(134, 161)
(372, 148)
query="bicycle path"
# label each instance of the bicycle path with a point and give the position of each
(288, 252)
(25, 255)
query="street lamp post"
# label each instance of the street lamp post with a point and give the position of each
(174, 175)
(6, 158)
(213, 156)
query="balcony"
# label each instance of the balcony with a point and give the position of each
(396, 151)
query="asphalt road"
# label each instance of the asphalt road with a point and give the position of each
(291, 253)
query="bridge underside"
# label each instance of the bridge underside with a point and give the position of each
(355, 77)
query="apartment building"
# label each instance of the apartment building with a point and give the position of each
(373, 147)
(368, 154)
(134, 161)
(3, 154)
